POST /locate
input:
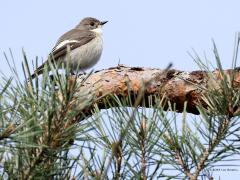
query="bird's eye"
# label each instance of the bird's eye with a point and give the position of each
(92, 24)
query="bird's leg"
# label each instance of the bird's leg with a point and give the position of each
(72, 73)
(82, 73)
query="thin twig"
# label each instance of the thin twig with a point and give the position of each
(221, 132)
(136, 104)
(179, 158)
(143, 134)
(28, 172)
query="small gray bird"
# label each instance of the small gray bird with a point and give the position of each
(84, 44)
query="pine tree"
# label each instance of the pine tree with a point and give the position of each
(60, 126)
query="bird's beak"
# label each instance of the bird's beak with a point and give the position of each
(103, 22)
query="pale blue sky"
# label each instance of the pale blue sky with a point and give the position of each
(139, 33)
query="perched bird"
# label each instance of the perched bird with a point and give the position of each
(79, 48)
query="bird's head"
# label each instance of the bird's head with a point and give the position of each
(91, 24)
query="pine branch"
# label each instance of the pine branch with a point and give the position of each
(176, 86)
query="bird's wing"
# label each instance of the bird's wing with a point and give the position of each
(72, 39)
(68, 41)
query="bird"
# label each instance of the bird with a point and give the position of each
(78, 49)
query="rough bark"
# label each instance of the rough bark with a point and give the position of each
(177, 86)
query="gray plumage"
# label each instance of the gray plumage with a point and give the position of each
(84, 44)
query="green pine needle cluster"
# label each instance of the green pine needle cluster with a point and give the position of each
(45, 134)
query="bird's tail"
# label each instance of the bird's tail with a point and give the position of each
(38, 71)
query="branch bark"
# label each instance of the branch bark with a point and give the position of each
(175, 85)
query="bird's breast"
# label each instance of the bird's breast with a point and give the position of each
(87, 55)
